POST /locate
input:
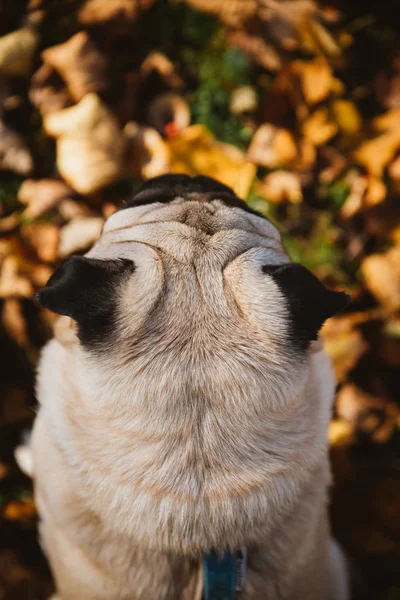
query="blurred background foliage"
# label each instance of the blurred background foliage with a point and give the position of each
(293, 103)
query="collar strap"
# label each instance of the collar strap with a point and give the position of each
(224, 574)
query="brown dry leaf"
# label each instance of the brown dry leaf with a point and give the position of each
(344, 342)
(365, 192)
(318, 129)
(381, 274)
(196, 151)
(232, 12)
(78, 235)
(347, 117)
(148, 154)
(90, 145)
(257, 48)
(41, 195)
(43, 238)
(14, 322)
(272, 146)
(47, 91)
(123, 12)
(80, 64)
(14, 154)
(161, 64)
(367, 414)
(281, 186)
(316, 79)
(17, 50)
(169, 114)
(71, 210)
(11, 283)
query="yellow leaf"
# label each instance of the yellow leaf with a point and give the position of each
(196, 151)
(316, 79)
(381, 273)
(347, 116)
(375, 154)
(318, 129)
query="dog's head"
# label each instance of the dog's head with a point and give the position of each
(189, 260)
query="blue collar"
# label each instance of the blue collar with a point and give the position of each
(224, 574)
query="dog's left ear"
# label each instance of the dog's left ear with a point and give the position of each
(83, 288)
(310, 302)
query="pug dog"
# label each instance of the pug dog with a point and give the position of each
(184, 406)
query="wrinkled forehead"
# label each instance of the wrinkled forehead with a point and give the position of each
(184, 216)
(182, 228)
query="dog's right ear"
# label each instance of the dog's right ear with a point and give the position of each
(82, 288)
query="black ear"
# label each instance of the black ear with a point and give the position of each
(83, 288)
(310, 302)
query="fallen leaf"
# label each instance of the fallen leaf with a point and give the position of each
(14, 322)
(161, 64)
(344, 343)
(316, 79)
(80, 64)
(16, 52)
(71, 210)
(90, 145)
(12, 284)
(376, 154)
(47, 91)
(281, 186)
(243, 100)
(79, 235)
(347, 117)
(41, 195)
(43, 238)
(366, 191)
(123, 12)
(195, 151)
(318, 129)
(381, 273)
(148, 154)
(272, 146)
(14, 154)
(367, 414)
